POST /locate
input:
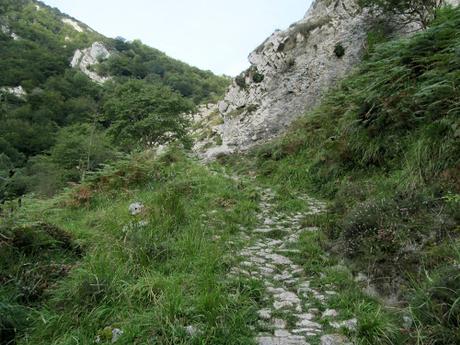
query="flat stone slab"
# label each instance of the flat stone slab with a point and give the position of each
(334, 339)
(291, 340)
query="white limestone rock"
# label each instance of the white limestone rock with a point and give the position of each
(73, 24)
(116, 334)
(334, 339)
(7, 31)
(136, 208)
(330, 313)
(298, 66)
(290, 340)
(17, 91)
(84, 59)
(351, 324)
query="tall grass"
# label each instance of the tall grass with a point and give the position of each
(156, 274)
(384, 148)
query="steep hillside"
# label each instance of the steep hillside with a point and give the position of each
(383, 147)
(58, 79)
(294, 68)
(343, 230)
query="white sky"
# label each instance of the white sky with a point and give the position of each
(211, 34)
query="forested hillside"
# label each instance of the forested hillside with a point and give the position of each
(59, 126)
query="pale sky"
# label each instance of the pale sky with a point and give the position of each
(215, 35)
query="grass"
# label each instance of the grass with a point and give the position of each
(382, 148)
(152, 279)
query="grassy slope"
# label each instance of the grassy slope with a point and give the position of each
(151, 281)
(384, 148)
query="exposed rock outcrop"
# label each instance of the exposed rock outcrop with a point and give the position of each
(17, 91)
(84, 59)
(7, 31)
(73, 24)
(291, 71)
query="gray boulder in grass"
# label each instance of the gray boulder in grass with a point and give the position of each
(136, 208)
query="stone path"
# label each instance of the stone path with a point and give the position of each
(289, 316)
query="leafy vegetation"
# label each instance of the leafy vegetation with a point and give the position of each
(65, 113)
(153, 115)
(384, 148)
(339, 50)
(151, 275)
(138, 61)
(406, 11)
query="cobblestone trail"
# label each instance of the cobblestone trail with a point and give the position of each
(289, 316)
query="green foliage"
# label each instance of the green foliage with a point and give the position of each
(138, 61)
(145, 115)
(79, 149)
(241, 81)
(59, 97)
(258, 77)
(339, 50)
(154, 274)
(33, 257)
(436, 308)
(406, 11)
(384, 148)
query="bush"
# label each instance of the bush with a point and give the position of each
(13, 318)
(258, 77)
(142, 115)
(339, 50)
(370, 227)
(33, 258)
(436, 309)
(406, 11)
(241, 81)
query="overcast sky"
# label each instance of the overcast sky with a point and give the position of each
(211, 34)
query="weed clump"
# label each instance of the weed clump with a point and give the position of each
(34, 257)
(258, 77)
(339, 50)
(241, 81)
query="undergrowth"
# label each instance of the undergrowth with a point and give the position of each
(384, 147)
(156, 276)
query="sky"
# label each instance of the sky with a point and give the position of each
(215, 35)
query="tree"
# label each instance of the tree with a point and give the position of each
(144, 115)
(406, 11)
(79, 149)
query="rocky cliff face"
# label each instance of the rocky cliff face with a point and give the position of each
(291, 70)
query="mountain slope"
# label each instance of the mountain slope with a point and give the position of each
(41, 95)
(157, 248)
(383, 147)
(294, 68)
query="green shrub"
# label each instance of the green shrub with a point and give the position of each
(13, 319)
(258, 77)
(241, 81)
(142, 115)
(436, 309)
(406, 11)
(339, 50)
(33, 258)
(382, 146)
